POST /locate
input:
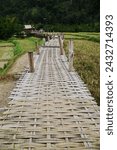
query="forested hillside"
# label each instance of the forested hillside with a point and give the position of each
(46, 13)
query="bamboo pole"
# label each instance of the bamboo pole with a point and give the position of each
(48, 37)
(37, 48)
(31, 61)
(61, 45)
(71, 55)
(62, 36)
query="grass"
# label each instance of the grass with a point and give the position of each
(4, 43)
(27, 44)
(5, 50)
(5, 53)
(90, 36)
(21, 46)
(87, 64)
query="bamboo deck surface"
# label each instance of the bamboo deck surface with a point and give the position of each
(50, 109)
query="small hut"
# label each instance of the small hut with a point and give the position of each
(28, 28)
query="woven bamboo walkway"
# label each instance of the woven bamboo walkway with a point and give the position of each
(50, 109)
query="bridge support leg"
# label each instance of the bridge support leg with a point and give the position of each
(37, 48)
(61, 45)
(62, 36)
(71, 55)
(31, 61)
(48, 38)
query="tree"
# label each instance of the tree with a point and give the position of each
(52, 11)
(8, 26)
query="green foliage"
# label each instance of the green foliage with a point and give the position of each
(57, 15)
(25, 45)
(72, 28)
(17, 49)
(8, 26)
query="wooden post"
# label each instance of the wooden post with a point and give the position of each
(44, 40)
(31, 61)
(62, 36)
(61, 45)
(53, 35)
(48, 38)
(37, 48)
(71, 55)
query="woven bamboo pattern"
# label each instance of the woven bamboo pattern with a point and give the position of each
(50, 109)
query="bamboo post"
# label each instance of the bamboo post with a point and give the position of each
(61, 45)
(37, 48)
(62, 36)
(71, 55)
(31, 61)
(53, 35)
(48, 37)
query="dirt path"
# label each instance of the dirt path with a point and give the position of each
(7, 85)
(19, 65)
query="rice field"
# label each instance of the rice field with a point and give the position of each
(90, 36)
(13, 48)
(6, 53)
(87, 62)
